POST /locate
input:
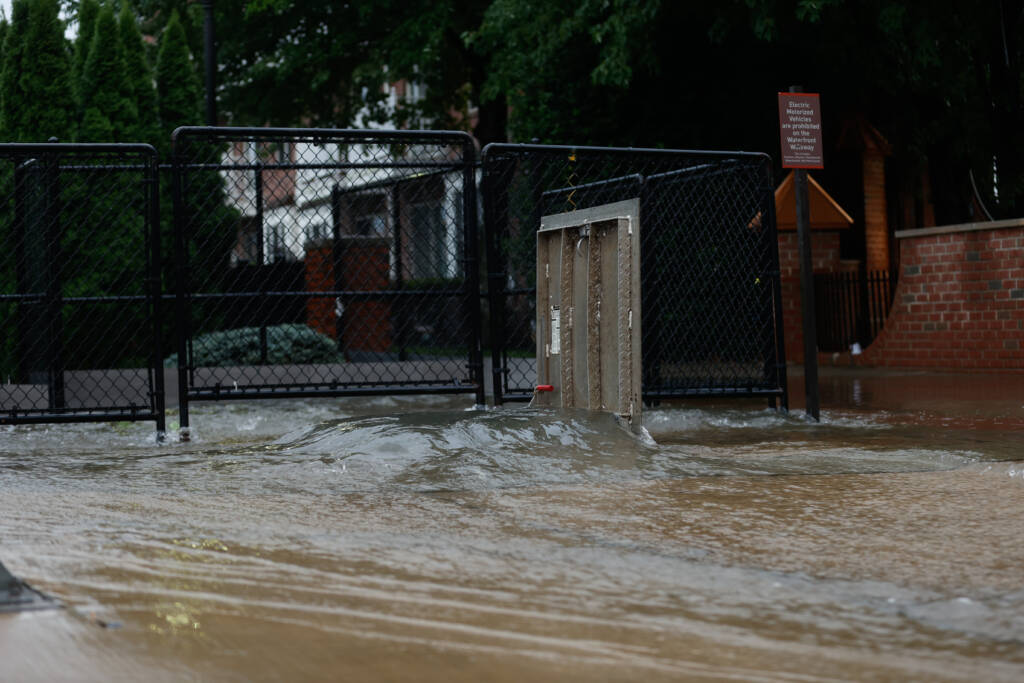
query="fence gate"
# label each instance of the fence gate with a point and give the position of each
(80, 336)
(710, 275)
(325, 262)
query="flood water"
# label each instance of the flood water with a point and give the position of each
(415, 540)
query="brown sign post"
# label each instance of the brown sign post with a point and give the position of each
(800, 134)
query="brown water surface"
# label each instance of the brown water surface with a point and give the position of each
(393, 540)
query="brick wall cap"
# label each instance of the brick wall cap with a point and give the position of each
(960, 227)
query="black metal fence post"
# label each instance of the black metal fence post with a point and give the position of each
(25, 326)
(155, 291)
(54, 289)
(401, 304)
(495, 212)
(183, 288)
(471, 269)
(261, 258)
(339, 320)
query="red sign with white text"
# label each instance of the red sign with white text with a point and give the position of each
(800, 130)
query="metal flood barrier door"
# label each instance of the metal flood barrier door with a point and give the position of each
(588, 310)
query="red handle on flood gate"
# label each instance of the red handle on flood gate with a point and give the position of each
(545, 387)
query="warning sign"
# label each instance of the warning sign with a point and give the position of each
(800, 130)
(556, 331)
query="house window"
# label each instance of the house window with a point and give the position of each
(316, 232)
(374, 225)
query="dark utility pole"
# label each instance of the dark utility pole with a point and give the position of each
(210, 58)
(803, 233)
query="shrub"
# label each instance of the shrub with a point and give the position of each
(241, 346)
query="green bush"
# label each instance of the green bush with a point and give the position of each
(241, 346)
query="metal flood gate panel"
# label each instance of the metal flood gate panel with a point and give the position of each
(588, 310)
(80, 308)
(314, 262)
(710, 284)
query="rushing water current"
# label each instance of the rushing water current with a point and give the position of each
(418, 540)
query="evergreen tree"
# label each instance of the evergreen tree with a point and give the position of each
(3, 37)
(212, 226)
(47, 106)
(3, 40)
(139, 76)
(87, 12)
(109, 112)
(11, 94)
(178, 90)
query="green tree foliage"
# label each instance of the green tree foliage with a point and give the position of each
(178, 90)
(37, 101)
(212, 226)
(139, 77)
(941, 80)
(326, 63)
(3, 38)
(88, 10)
(46, 76)
(109, 111)
(11, 94)
(8, 70)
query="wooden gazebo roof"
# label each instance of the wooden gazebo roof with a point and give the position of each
(826, 214)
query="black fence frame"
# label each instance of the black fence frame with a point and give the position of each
(142, 158)
(494, 187)
(497, 294)
(188, 387)
(852, 307)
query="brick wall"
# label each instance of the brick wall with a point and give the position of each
(959, 303)
(364, 262)
(320, 278)
(825, 259)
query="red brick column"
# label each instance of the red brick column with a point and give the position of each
(364, 264)
(876, 219)
(320, 278)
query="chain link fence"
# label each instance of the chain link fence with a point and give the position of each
(710, 278)
(79, 284)
(325, 262)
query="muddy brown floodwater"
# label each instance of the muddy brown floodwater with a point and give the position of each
(415, 540)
